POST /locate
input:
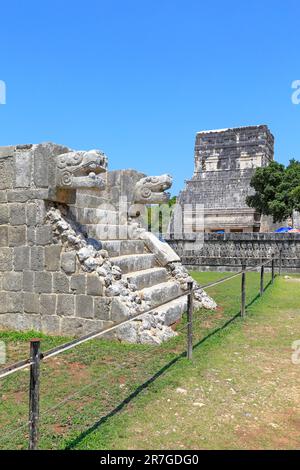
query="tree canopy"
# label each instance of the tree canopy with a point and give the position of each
(277, 190)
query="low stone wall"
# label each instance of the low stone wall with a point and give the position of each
(228, 251)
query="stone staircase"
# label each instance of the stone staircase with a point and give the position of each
(142, 269)
(139, 266)
(151, 269)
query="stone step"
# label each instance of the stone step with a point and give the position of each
(161, 293)
(131, 263)
(123, 247)
(107, 232)
(172, 310)
(148, 277)
(91, 215)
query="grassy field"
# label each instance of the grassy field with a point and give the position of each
(240, 391)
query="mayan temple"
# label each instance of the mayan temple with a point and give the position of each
(225, 161)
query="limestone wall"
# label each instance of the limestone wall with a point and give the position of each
(228, 251)
(42, 285)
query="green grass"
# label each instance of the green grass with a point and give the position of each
(155, 415)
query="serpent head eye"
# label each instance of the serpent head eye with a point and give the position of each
(61, 162)
(146, 193)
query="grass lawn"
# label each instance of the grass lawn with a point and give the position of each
(240, 391)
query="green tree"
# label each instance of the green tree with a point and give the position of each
(172, 201)
(277, 190)
(293, 178)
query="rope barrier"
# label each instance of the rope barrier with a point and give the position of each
(17, 366)
(141, 356)
(66, 346)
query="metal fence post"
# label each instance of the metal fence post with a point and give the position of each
(280, 261)
(190, 321)
(262, 272)
(34, 393)
(243, 291)
(273, 268)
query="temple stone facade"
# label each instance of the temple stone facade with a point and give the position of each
(225, 161)
(229, 251)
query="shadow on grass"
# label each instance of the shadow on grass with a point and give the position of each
(152, 379)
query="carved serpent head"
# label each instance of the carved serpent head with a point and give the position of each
(151, 190)
(80, 169)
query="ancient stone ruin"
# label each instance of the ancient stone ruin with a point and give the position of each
(231, 233)
(74, 257)
(225, 161)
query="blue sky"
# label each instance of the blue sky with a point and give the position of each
(138, 78)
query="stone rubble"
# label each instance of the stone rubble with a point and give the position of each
(202, 300)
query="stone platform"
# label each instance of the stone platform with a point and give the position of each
(71, 262)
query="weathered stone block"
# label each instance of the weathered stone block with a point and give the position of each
(6, 259)
(48, 304)
(11, 302)
(65, 305)
(24, 195)
(84, 306)
(3, 196)
(118, 311)
(17, 214)
(37, 259)
(61, 283)
(31, 211)
(41, 211)
(71, 326)
(31, 303)
(50, 324)
(22, 168)
(52, 257)
(44, 235)
(4, 214)
(28, 280)
(94, 285)
(43, 282)
(3, 235)
(12, 281)
(102, 307)
(6, 172)
(21, 258)
(68, 262)
(35, 213)
(41, 163)
(21, 322)
(79, 326)
(78, 283)
(31, 238)
(16, 235)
